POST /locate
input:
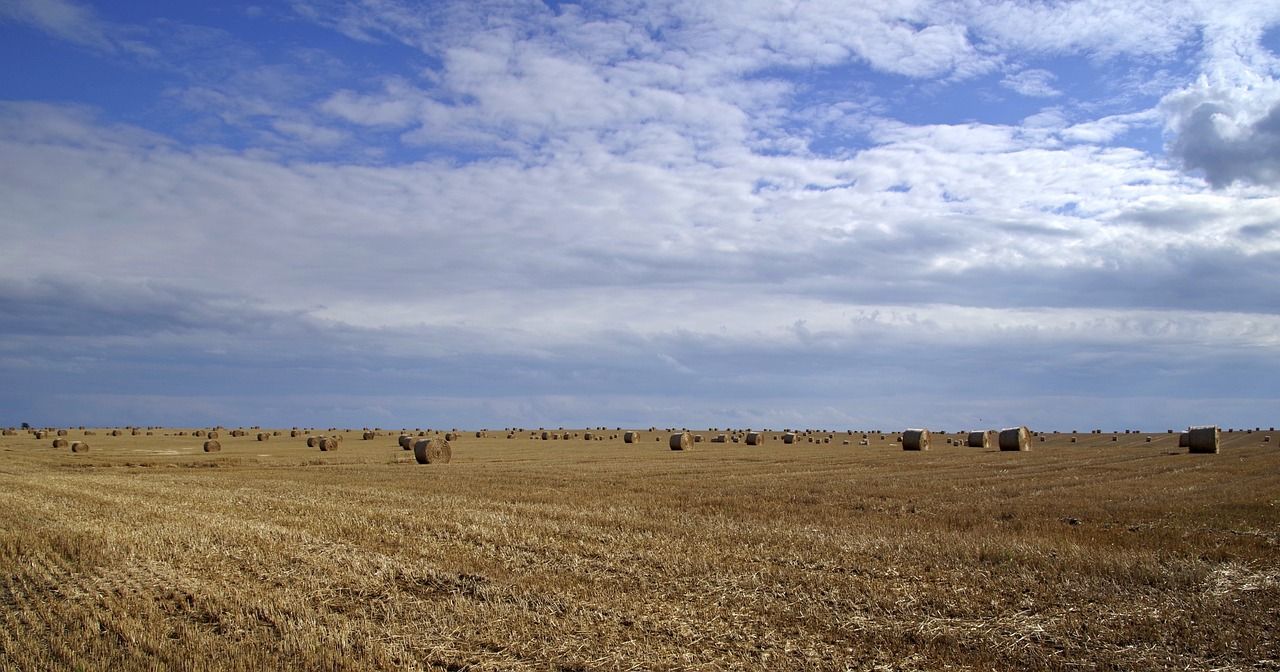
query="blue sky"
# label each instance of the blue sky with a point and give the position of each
(945, 214)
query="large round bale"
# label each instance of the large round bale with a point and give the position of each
(212, 446)
(978, 440)
(1204, 439)
(211, 434)
(631, 437)
(327, 443)
(264, 436)
(313, 441)
(368, 436)
(755, 438)
(1015, 438)
(915, 439)
(432, 451)
(79, 447)
(789, 438)
(405, 441)
(59, 443)
(680, 441)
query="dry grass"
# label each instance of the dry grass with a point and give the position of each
(148, 553)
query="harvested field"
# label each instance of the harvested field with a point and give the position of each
(522, 555)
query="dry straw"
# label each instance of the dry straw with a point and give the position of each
(1015, 439)
(1204, 439)
(432, 451)
(915, 439)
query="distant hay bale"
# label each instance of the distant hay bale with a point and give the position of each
(1148, 439)
(697, 438)
(313, 441)
(115, 432)
(327, 443)
(1266, 439)
(631, 437)
(978, 440)
(62, 432)
(546, 436)
(789, 438)
(134, 432)
(1204, 439)
(586, 436)
(1073, 439)
(40, 436)
(719, 438)
(845, 442)
(680, 441)
(405, 441)
(293, 433)
(368, 436)
(264, 436)
(450, 436)
(480, 435)
(1184, 440)
(79, 447)
(755, 438)
(212, 446)
(864, 442)
(212, 434)
(59, 443)
(432, 451)
(915, 439)
(1014, 439)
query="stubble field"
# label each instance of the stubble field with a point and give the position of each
(523, 554)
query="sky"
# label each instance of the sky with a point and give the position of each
(952, 214)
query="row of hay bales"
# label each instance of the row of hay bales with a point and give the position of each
(1199, 439)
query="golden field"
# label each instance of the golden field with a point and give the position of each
(523, 554)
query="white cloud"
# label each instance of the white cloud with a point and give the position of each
(63, 19)
(1033, 82)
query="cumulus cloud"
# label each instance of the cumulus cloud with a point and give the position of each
(1230, 133)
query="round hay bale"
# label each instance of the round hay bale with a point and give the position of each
(719, 438)
(263, 436)
(450, 436)
(631, 437)
(327, 443)
(1204, 439)
(1184, 440)
(697, 438)
(115, 432)
(368, 436)
(1148, 439)
(915, 439)
(212, 446)
(755, 438)
(432, 451)
(134, 432)
(1073, 439)
(789, 438)
(79, 447)
(679, 441)
(293, 433)
(59, 443)
(480, 435)
(978, 440)
(1015, 439)
(313, 441)
(546, 436)
(864, 442)
(211, 434)
(62, 432)
(40, 436)
(405, 441)
(1266, 439)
